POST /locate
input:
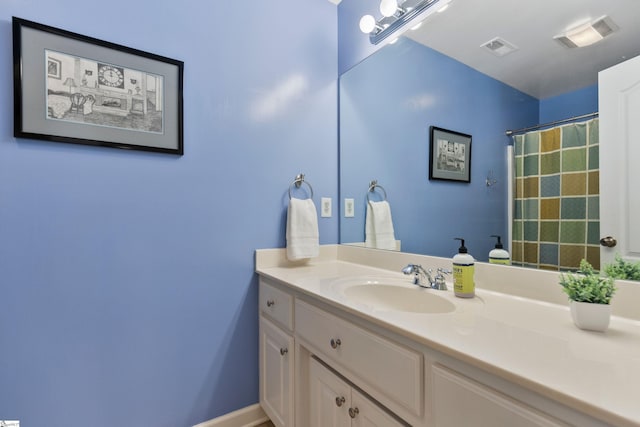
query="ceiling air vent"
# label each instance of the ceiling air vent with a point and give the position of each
(499, 47)
(587, 34)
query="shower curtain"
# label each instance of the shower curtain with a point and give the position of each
(556, 197)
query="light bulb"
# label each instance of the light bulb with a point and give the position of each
(367, 24)
(388, 7)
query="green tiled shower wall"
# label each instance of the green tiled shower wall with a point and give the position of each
(556, 206)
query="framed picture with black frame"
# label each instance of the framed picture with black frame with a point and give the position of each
(78, 89)
(449, 155)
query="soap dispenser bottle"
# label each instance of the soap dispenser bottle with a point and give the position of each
(499, 255)
(463, 272)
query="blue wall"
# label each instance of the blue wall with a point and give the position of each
(127, 286)
(387, 104)
(576, 103)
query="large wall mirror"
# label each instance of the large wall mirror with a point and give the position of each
(440, 75)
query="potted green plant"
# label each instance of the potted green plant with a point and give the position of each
(590, 296)
(622, 269)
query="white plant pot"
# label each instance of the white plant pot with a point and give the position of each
(589, 316)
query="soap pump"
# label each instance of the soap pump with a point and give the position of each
(499, 255)
(463, 272)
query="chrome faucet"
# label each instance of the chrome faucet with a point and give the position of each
(419, 273)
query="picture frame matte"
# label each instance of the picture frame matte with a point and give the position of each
(77, 89)
(449, 155)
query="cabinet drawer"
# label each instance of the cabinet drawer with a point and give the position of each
(461, 401)
(276, 304)
(391, 372)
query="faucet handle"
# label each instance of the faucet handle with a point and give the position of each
(439, 281)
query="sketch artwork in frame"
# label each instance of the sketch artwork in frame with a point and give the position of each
(450, 155)
(77, 89)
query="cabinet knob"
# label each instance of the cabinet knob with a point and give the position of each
(335, 343)
(270, 302)
(284, 351)
(340, 401)
(353, 412)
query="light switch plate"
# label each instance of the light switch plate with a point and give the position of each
(325, 211)
(349, 208)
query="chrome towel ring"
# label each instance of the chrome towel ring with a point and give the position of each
(298, 183)
(372, 188)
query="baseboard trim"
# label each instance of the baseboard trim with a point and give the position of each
(249, 416)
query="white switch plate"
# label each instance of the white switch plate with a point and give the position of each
(349, 208)
(326, 207)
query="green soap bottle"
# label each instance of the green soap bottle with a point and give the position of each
(463, 272)
(499, 255)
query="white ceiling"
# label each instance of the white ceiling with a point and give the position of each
(541, 67)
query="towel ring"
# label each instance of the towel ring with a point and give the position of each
(372, 188)
(298, 183)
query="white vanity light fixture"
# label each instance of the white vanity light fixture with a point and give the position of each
(397, 13)
(389, 8)
(588, 33)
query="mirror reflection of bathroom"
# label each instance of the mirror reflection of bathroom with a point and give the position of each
(538, 185)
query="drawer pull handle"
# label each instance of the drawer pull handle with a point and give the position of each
(284, 351)
(353, 412)
(335, 343)
(340, 401)
(270, 303)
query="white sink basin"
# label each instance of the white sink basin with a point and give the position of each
(385, 295)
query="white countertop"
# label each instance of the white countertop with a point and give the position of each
(530, 342)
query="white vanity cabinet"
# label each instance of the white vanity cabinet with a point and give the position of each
(335, 403)
(460, 401)
(322, 365)
(277, 353)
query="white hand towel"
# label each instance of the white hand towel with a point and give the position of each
(379, 226)
(302, 230)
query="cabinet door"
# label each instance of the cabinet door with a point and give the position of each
(330, 398)
(461, 401)
(276, 373)
(365, 413)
